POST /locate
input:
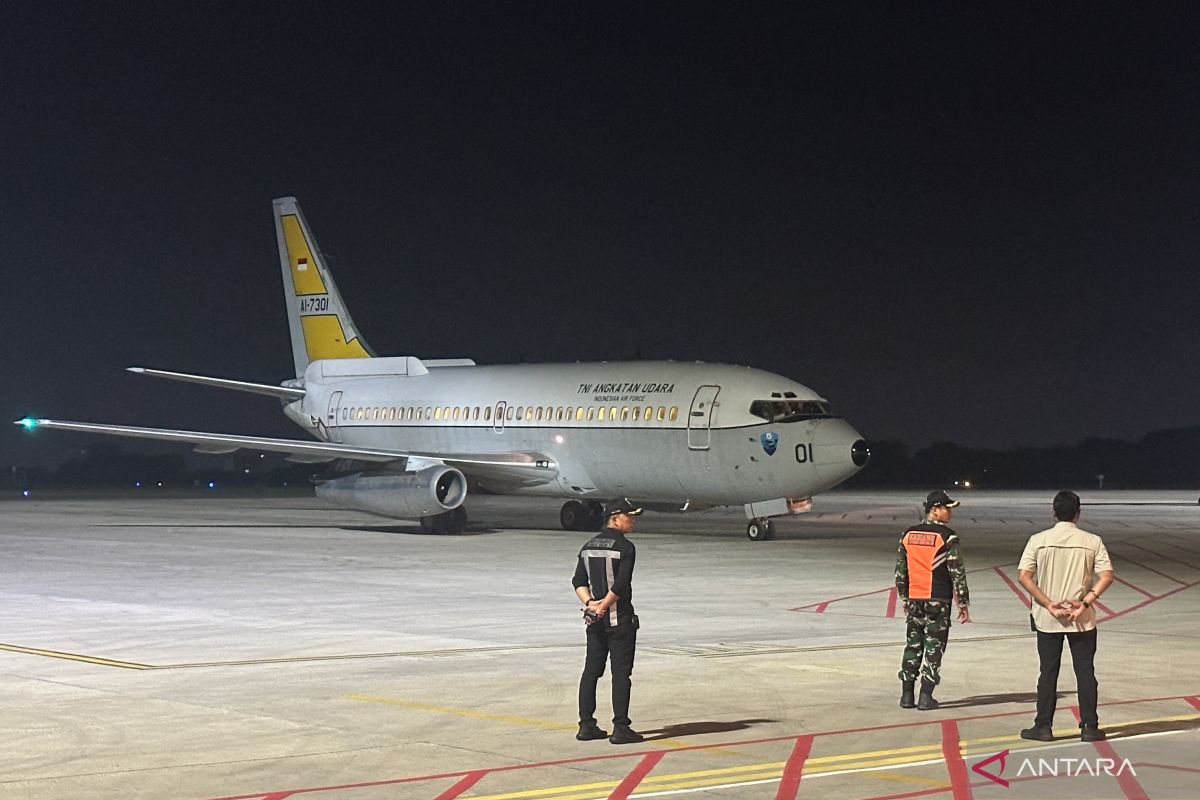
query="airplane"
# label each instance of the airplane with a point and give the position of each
(409, 436)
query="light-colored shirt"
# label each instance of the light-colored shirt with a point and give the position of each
(1064, 561)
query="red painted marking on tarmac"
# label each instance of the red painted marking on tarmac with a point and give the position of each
(1147, 602)
(1103, 608)
(1016, 590)
(825, 603)
(1149, 568)
(960, 781)
(893, 595)
(467, 782)
(1124, 582)
(1194, 700)
(1128, 782)
(789, 784)
(626, 787)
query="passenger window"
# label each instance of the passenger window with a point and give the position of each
(529, 413)
(520, 412)
(538, 415)
(476, 414)
(649, 412)
(437, 413)
(674, 413)
(599, 414)
(345, 414)
(456, 412)
(487, 413)
(579, 413)
(662, 413)
(509, 413)
(624, 413)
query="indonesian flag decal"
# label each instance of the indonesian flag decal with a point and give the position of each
(301, 264)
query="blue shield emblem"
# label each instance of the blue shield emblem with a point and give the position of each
(770, 441)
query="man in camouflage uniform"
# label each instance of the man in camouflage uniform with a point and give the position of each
(929, 570)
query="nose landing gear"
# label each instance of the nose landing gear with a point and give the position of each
(760, 529)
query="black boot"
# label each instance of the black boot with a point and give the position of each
(927, 703)
(589, 731)
(907, 698)
(623, 734)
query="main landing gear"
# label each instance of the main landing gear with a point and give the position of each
(452, 521)
(760, 530)
(582, 515)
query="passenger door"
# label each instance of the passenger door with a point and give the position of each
(700, 417)
(331, 418)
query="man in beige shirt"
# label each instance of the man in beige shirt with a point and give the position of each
(1065, 570)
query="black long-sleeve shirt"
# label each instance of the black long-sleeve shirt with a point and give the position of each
(606, 564)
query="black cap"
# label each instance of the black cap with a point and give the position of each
(939, 498)
(620, 506)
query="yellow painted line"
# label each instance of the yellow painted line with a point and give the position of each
(467, 712)
(892, 776)
(867, 760)
(461, 712)
(105, 662)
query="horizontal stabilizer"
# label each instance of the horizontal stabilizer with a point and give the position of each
(284, 392)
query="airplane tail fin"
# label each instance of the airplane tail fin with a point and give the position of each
(320, 324)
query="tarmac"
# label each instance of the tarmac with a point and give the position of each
(270, 648)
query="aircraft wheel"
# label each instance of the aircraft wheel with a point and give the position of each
(760, 530)
(573, 516)
(595, 515)
(456, 520)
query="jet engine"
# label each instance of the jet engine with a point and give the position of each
(403, 495)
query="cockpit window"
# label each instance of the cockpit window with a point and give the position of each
(789, 409)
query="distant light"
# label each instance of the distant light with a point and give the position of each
(160, 484)
(246, 470)
(29, 423)
(137, 484)
(212, 484)
(558, 438)
(24, 493)
(285, 483)
(966, 484)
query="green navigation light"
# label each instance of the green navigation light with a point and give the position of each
(29, 423)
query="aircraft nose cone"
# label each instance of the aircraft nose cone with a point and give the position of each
(839, 451)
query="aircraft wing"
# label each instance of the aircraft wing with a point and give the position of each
(305, 451)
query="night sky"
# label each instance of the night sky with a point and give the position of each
(957, 223)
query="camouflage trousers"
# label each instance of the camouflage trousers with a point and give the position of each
(928, 633)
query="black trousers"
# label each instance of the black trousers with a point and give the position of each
(608, 643)
(1083, 655)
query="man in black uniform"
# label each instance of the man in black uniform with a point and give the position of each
(603, 583)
